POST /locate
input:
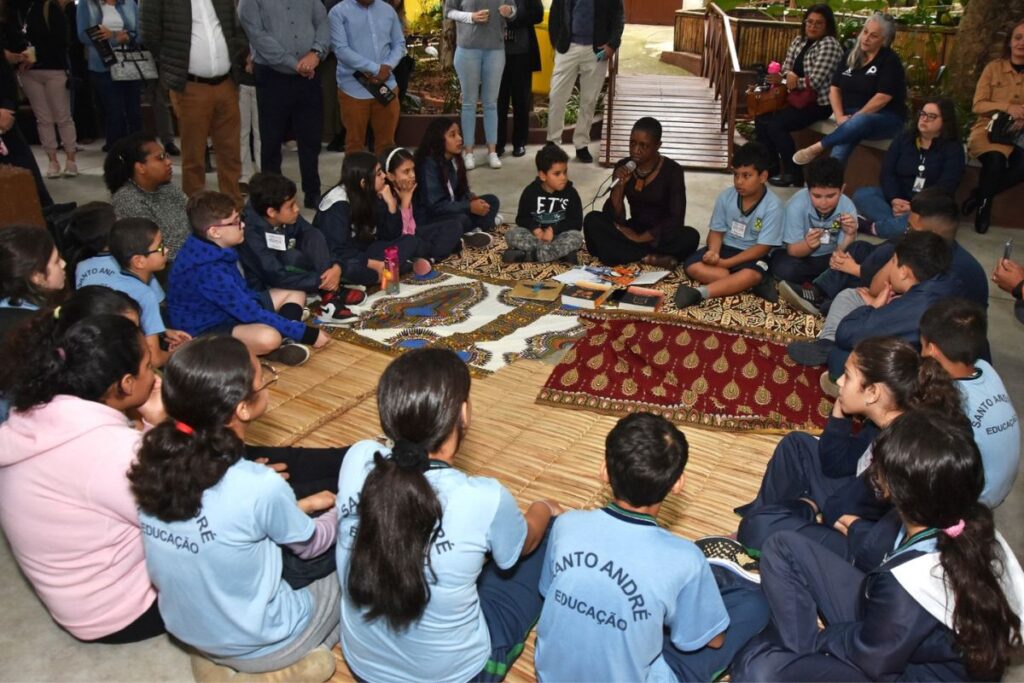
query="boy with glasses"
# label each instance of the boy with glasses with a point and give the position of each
(207, 292)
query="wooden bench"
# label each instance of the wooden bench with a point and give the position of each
(865, 168)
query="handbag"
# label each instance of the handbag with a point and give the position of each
(801, 99)
(133, 64)
(999, 130)
(762, 99)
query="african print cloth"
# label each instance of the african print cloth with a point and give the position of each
(476, 319)
(689, 373)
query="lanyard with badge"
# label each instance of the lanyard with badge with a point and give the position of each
(829, 227)
(919, 180)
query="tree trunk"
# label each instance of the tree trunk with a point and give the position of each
(980, 39)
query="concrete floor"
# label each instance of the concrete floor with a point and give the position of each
(33, 648)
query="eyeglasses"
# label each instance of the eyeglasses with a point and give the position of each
(162, 249)
(928, 115)
(237, 223)
(267, 370)
(162, 156)
(814, 22)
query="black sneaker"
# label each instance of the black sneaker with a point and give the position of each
(335, 314)
(810, 353)
(583, 155)
(513, 256)
(172, 150)
(311, 202)
(519, 151)
(807, 299)
(730, 554)
(337, 144)
(289, 353)
(687, 296)
(478, 239)
(767, 289)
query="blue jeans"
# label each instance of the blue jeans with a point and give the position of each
(877, 126)
(872, 205)
(121, 102)
(479, 76)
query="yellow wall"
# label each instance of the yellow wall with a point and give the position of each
(542, 78)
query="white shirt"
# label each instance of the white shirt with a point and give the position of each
(208, 56)
(112, 18)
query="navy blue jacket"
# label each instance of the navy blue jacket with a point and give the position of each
(433, 198)
(839, 449)
(206, 290)
(943, 166)
(334, 219)
(266, 267)
(963, 265)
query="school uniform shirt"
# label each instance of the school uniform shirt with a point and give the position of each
(613, 581)
(761, 225)
(104, 270)
(219, 574)
(264, 253)
(802, 217)
(996, 430)
(884, 74)
(964, 266)
(68, 512)
(12, 315)
(334, 219)
(437, 191)
(536, 203)
(450, 640)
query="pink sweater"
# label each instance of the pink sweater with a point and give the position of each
(69, 515)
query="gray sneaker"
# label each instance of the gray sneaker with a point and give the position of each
(810, 353)
(730, 554)
(807, 299)
(289, 353)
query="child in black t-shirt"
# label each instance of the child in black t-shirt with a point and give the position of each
(550, 219)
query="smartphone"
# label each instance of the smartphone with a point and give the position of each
(1008, 249)
(600, 55)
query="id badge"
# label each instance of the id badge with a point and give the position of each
(826, 236)
(918, 184)
(738, 229)
(276, 241)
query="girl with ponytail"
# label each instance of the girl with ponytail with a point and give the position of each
(65, 506)
(883, 378)
(943, 604)
(214, 523)
(421, 600)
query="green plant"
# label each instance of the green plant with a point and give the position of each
(452, 94)
(430, 22)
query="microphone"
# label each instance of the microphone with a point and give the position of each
(629, 166)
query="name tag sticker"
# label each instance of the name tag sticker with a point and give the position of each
(276, 241)
(826, 236)
(738, 229)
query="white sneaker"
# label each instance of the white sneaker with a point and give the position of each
(469, 160)
(498, 219)
(53, 170)
(493, 161)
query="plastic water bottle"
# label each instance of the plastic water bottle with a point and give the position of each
(391, 270)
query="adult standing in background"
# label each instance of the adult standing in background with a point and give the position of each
(289, 39)
(249, 140)
(522, 58)
(480, 27)
(585, 35)
(810, 63)
(192, 42)
(117, 23)
(367, 39)
(45, 83)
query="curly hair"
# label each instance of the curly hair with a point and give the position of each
(204, 381)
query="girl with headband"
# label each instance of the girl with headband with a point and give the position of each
(439, 239)
(214, 523)
(439, 570)
(942, 605)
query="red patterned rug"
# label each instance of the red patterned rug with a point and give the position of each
(690, 373)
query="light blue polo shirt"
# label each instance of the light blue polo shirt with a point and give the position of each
(613, 581)
(104, 270)
(450, 640)
(996, 430)
(802, 217)
(762, 225)
(219, 574)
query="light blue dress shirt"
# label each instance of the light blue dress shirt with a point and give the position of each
(363, 38)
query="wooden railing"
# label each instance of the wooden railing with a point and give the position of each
(721, 66)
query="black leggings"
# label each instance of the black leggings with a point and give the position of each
(310, 470)
(148, 625)
(774, 132)
(999, 172)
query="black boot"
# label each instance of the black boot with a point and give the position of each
(983, 218)
(971, 203)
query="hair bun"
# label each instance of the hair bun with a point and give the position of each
(410, 455)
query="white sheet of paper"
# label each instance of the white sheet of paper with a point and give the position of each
(571, 277)
(650, 277)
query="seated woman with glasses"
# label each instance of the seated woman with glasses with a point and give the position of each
(927, 154)
(138, 173)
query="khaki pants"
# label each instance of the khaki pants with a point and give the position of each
(209, 111)
(580, 61)
(356, 114)
(47, 93)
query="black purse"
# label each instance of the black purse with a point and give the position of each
(999, 130)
